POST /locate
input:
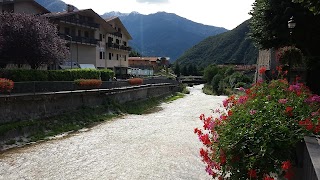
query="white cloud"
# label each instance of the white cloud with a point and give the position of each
(222, 13)
(152, 1)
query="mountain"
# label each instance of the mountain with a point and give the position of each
(53, 5)
(163, 34)
(230, 47)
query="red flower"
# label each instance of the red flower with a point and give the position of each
(262, 70)
(229, 113)
(268, 178)
(289, 174)
(286, 165)
(252, 173)
(201, 117)
(289, 110)
(205, 139)
(223, 158)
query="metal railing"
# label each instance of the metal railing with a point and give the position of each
(79, 22)
(33, 87)
(80, 39)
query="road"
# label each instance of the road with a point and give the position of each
(160, 145)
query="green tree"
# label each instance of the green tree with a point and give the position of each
(312, 5)
(269, 26)
(177, 69)
(210, 72)
(184, 71)
(29, 39)
(134, 53)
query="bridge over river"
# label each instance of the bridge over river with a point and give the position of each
(159, 145)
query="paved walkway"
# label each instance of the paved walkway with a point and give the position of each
(160, 145)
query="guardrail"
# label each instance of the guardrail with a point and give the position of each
(57, 86)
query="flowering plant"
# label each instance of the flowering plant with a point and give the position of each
(289, 53)
(255, 135)
(6, 85)
(135, 81)
(94, 83)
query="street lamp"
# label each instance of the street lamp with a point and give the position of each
(291, 26)
(70, 38)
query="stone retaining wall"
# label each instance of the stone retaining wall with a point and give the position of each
(33, 106)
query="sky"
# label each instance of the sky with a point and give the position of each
(221, 13)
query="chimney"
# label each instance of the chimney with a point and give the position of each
(70, 8)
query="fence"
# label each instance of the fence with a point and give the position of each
(56, 86)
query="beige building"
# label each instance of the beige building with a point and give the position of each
(93, 41)
(117, 47)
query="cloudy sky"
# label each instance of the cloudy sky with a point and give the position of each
(221, 13)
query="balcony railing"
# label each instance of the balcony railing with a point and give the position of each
(119, 34)
(79, 39)
(79, 22)
(117, 46)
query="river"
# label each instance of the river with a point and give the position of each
(160, 145)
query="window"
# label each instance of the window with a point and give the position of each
(86, 34)
(100, 37)
(101, 55)
(103, 36)
(110, 39)
(79, 33)
(117, 56)
(125, 57)
(124, 43)
(66, 30)
(117, 41)
(110, 56)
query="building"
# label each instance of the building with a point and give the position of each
(146, 66)
(94, 42)
(22, 6)
(117, 47)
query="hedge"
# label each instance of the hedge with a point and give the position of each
(19, 75)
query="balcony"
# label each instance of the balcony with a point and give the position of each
(119, 34)
(79, 39)
(80, 22)
(117, 46)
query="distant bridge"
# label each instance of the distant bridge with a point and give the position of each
(192, 79)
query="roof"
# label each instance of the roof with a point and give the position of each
(90, 12)
(118, 21)
(143, 58)
(31, 1)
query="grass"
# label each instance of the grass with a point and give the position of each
(175, 97)
(207, 89)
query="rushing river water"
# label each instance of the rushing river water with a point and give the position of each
(160, 145)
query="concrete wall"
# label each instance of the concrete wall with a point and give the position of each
(25, 107)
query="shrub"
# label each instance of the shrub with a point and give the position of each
(135, 81)
(6, 85)
(255, 135)
(19, 75)
(106, 74)
(92, 83)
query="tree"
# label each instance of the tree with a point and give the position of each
(268, 26)
(134, 53)
(29, 39)
(210, 72)
(177, 69)
(312, 5)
